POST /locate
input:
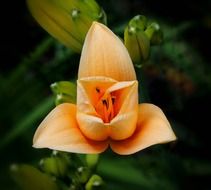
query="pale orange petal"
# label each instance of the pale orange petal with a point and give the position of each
(92, 127)
(152, 128)
(124, 124)
(104, 54)
(59, 131)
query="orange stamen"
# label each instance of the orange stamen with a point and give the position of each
(105, 106)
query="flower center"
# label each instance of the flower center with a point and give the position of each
(105, 105)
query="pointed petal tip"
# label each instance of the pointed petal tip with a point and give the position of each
(59, 131)
(102, 51)
(96, 25)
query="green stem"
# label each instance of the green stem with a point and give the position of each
(144, 94)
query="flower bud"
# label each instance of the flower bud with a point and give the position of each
(83, 174)
(62, 98)
(94, 183)
(154, 33)
(92, 160)
(30, 178)
(139, 22)
(56, 166)
(65, 91)
(136, 40)
(67, 20)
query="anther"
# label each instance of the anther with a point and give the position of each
(105, 103)
(113, 98)
(98, 90)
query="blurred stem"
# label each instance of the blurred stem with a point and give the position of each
(23, 66)
(143, 95)
(120, 172)
(197, 167)
(28, 121)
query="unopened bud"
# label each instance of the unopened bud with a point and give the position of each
(83, 174)
(94, 183)
(55, 166)
(62, 98)
(65, 91)
(138, 22)
(92, 160)
(137, 43)
(67, 20)
(29, 177)
(154, 33)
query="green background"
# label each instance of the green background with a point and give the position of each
(177, 77)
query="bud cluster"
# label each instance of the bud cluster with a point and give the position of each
(139, 35)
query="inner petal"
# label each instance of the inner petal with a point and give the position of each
(93, 88)
(107, 108)
(105, 96)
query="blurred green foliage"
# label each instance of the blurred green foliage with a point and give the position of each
(177, 77)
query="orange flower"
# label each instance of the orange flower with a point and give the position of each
(107, 110)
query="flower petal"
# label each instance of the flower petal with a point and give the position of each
(124, 124)
(92, 127)
(59, 131)
(91, 124)
(104, 54)
(152, 128)
(87, 94)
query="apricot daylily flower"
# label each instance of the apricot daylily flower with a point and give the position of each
(107, 111)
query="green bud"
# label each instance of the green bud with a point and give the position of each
(83, 174)
(65, 91)
(73, 187)
(94, 183)
(67, 20)
(30, 178)
(137, 43)
(56, 166)
(92, 160)
(102, 17)
(154, 33)
(138, 22)
(64, 87)
(63, 98)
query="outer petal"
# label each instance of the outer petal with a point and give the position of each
(152, 128)
(104, 54)
(59, 131)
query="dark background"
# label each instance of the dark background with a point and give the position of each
(178, 79)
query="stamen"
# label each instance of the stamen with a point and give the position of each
(105, 103)
(98, 90)
(113, 98)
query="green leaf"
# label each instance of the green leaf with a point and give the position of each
(30, 178)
